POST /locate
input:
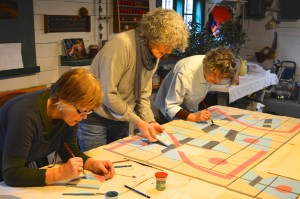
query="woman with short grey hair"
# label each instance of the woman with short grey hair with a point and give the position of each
(187, 84)
(125, 67)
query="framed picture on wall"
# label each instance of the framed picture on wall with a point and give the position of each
(75, 48)
(8, 9)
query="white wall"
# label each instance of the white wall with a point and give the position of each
(49, 45)
(288, 45)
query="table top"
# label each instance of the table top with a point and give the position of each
(244, 155)
(248, 84)
(178, 185)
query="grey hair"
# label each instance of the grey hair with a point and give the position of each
(164, 26)
(61, 106)
(220, 59)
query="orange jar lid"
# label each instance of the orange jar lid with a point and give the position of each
(161, 174)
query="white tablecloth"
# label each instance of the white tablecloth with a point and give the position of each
(248, 84)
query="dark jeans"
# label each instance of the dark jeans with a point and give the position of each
(97, 131)
(162, 118)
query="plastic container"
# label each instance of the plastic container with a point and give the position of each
(93, 50)
(111, 195)
(161, 178)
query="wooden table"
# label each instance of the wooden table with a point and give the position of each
(244, 155)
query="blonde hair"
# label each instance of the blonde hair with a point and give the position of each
(220, 59)
(164, 26)
(78, 87)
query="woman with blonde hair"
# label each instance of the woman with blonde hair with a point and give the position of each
(37, 124)
(125, 67)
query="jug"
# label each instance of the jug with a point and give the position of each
(243, 67)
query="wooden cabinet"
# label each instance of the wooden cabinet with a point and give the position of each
(128, 13)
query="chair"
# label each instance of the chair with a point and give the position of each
(7, 95)
(4, 97)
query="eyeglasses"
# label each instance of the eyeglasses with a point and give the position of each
(82, 112)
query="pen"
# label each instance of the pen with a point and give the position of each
(125, 175)
(71, 153)
(212, 122)
(121, 166)
(84, 186)
(143, 194)
(83, 194)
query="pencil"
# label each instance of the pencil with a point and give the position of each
(71, 153)
(125, 175)
(69, 150)
(83, 194)
(121, 166)
(207, 110)
(141, 193)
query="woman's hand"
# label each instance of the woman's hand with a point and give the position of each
(199, 116)
(149, 130)
(70, 170)
(103, 167)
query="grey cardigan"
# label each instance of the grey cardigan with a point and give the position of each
(115, 67)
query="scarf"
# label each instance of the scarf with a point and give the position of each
(144, 59)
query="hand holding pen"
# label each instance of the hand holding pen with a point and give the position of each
(105, 167)
(77, 161)
(212, 122)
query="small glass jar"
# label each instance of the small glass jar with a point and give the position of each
(161, 178)
(93, 50)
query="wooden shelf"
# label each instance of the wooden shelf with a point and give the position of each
(5, 74)
(78, 62)
(66, 23)
(127, 14)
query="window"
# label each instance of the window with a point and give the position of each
(167, 4)
(188, 9)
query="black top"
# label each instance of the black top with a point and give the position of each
(28, 135)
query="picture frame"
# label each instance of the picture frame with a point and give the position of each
(75, 48)
(8, 9)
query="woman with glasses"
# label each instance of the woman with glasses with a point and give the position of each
(188, 83)
(37, 124)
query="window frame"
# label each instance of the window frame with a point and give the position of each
(198, 7)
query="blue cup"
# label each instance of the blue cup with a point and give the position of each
(111, 195)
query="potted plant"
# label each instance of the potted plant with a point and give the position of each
(229, 34)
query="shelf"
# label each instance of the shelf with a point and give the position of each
(135, 7)
(282, 107)
(19, 72)
(66, 23)
(125, 22)
(78, 62)
(127, 14)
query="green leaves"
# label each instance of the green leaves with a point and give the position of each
(229, 34)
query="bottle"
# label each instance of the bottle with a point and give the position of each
(243, 67)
